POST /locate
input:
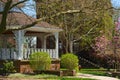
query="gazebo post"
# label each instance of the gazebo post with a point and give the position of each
(57, 44)
(19, 37)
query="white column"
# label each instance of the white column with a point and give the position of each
(19, 37)
(57, 44)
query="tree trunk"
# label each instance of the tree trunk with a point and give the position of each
(71, 47)
(67, 46)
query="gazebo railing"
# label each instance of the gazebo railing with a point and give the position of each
(11, 53)
(28, 51)
(8, 53)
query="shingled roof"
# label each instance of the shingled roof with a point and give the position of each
(18, 19)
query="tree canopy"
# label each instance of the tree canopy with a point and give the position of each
(81, 20)
(94, 19)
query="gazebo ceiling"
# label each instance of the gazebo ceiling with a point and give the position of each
(18, 19)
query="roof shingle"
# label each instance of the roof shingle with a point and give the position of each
(15, 19)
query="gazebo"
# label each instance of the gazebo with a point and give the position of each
(12, 42)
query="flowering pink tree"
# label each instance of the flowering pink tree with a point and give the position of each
(117, 24)
(109, 49)
(102, 43)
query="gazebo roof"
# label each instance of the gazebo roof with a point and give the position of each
(18, 19)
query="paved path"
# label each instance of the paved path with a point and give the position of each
(80, 75)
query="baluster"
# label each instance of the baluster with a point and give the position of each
(11, 53)
(38, 50)
(41, 50)
(29, 53)
(15, 54)
(7, 53)
(24, 53)
(4, 54)
(44, 50)
(54, 53)
(50, 53)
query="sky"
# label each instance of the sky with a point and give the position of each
(115, 3)
(30, 7)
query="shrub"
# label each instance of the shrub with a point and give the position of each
(69, 61)
(8, 67)
(40, 61)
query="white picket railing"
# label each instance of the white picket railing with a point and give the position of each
(27, 52)
(10, 53)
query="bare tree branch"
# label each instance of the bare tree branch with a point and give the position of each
(44, 18)
(4, 15)
(86, 33)
(18, 3)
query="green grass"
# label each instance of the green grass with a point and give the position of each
(76, 79)
(99, 72)
(45, 76)
(38, 76)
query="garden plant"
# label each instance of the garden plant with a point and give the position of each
(40, 61)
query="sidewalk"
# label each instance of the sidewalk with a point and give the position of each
(80, 75)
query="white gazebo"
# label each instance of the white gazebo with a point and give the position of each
(40, 31)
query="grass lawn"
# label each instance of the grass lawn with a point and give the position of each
(99, 72)
(44, 76)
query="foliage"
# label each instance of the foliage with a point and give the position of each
(40, 61)
(83, 27)
(108, 44)
(8, 67)
(69, 61)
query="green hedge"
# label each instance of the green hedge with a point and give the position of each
(40, 61)
(69, 61)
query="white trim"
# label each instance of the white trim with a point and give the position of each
(36, 28)
(42, 29)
